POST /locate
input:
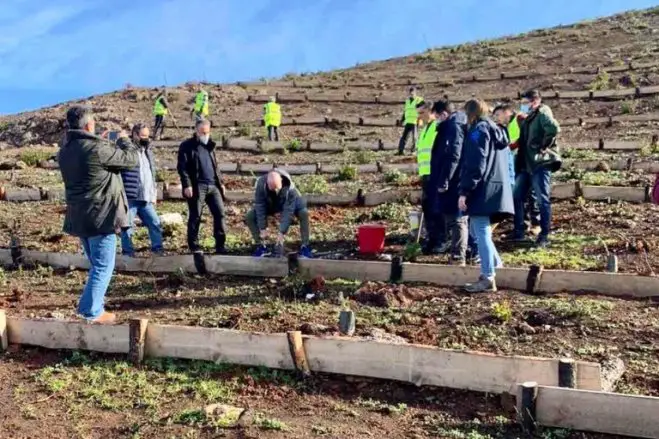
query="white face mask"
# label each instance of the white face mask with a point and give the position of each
(525, 108)
(204, 138)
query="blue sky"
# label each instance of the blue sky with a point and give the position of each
(56, 50)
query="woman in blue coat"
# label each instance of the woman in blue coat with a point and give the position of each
(485, 191)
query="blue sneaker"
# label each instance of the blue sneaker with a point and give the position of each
(260, 251)
(305, 252)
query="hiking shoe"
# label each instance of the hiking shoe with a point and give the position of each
(483, 285)
(542, 242)
(458, 261)
(445, 248)
(107, 318)
(516, 237)
(221, 251)
(260, 251)
(430, 251)
(278, 251)
(475, 259)
(305, 252)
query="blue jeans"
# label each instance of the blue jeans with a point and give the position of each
(540, 180)
(482, 230)
(101, 252)
(149, 216)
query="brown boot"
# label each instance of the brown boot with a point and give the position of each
(107, 318)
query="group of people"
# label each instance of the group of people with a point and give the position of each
(109, 184)
(478, 167)
(201, 109)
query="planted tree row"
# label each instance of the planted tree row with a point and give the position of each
(383, 99)
(361, 198)
(384, 123)
(449, 81)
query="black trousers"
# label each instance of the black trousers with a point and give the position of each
(410, 128)
(210, 195)
(273, 129)
(159, 125)
(432, 216)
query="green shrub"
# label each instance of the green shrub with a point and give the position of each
(364, 157)
(394, 176)
(601, 82)
(389, 212)
(347, 173)
(32, 158)
(312, 184)
(294, 145)
(502, 311)
(628, 107)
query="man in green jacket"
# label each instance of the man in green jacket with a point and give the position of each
(96, 204)
(535, 161)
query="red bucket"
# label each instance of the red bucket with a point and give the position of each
(371, 238)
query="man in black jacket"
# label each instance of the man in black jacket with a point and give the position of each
(96, 204)
(201, 183)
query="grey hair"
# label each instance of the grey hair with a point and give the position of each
(78, 116)
(202, 122)
(137, 128)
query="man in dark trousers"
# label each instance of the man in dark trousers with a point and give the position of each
(410, 119)
(96, 204)
(201, 183)
(275, 193)
(160, 110)
(536, 159)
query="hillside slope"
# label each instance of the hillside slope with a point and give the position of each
(594, 55)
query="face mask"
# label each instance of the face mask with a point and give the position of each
(525, 108)
(204, 138)
(144, 142)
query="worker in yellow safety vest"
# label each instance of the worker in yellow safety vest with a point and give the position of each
(410, 119)
(272, 118)
(160, 110)
(200, 109)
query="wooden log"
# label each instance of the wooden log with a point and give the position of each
(326, 98)
(613, 368)
(357, 270)
(608, 284)
(137, 336)
(614, 94)
(58, 334)
(426, 365)
(219, 346)
(407, 168)
(377, 198)
(4, 341)
(54, 194)
(455, 276)
(156, 264)
(256, 168)
(526, 405)
(325, 147)
(240, 197)
(22, 195)
(228, 168)
(562, 191)
(247, 266)
(648, 91)
(298, 355)
(610, 413)
(241, 144)
(57, 260)
(305, 121)
(603, 193)
(367, 169)
(299, 169)
(5, 257)
(361, 146)
(333, 200)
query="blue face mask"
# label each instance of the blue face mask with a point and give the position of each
(525, 108)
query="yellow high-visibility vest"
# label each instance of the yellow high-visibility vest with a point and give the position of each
(272, 114)
(513, 130)
(201, 103)
(411, 115)
(424, 147)
(158, 108)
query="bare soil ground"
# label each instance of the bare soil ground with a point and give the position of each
(46, 394)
